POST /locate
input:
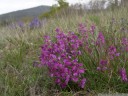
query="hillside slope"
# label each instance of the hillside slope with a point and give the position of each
(31, 12)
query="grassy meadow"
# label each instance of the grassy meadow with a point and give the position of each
(20, 49)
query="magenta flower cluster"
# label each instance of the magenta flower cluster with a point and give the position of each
(112, 52)
(100, 39)
(61, 53)
(61, 59)
(102, 65)
(125, 43)
(92, 29)
(123, 74)
(82, 28)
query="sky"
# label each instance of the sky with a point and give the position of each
(14, 5)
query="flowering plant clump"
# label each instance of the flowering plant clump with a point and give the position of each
(61, 59)
(68, 55)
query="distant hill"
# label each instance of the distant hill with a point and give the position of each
(31, 12)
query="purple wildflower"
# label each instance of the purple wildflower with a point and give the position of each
(103, 62)
(92, 29)
(82, 82)
(112, 52)
(125, 41)
(125, 44)
(82, 28)
(20, 24)
(100, 39)
(117, 54)
(35, 23)
(102, 65)
(123, 74)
